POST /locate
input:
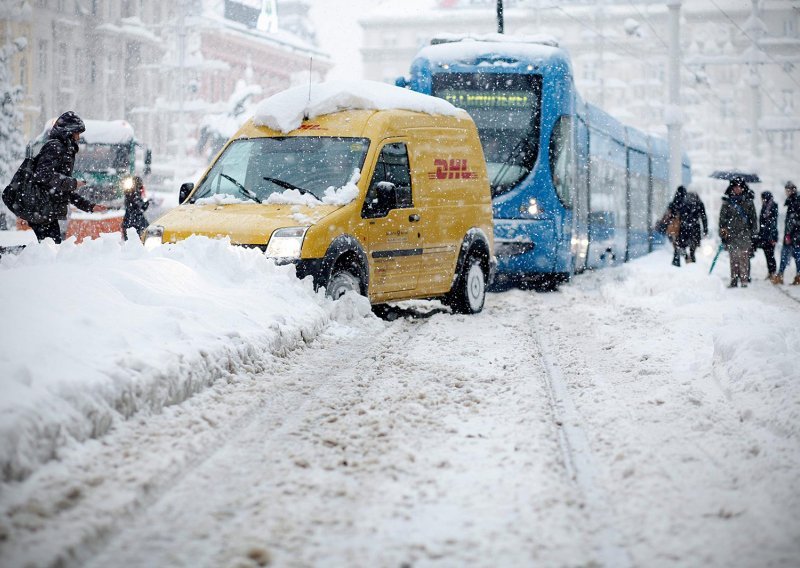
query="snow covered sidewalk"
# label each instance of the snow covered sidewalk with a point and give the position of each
(95, 333)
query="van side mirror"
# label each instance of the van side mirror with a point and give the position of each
(28, 151)
(148, 160)
(185, 190)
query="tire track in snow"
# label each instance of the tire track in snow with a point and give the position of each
(70, 510)
(440, 447)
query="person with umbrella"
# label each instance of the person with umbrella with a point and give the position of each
(791, 235)
(737, 227)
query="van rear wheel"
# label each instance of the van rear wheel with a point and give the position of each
(469, 291)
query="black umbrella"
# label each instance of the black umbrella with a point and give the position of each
(733, 174)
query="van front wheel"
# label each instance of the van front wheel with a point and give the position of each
(343, 280)
(469, 291)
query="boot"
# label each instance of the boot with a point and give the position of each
(733, 283)
(796, 281)
(691, 257)
(777, 279)
(676, 260)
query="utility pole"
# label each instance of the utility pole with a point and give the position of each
(181, 150)
(499, 16)
(756, 32)
(674, 116)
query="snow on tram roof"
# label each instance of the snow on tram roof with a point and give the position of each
(454, 47)
(496, 38)
(99, 131)
(286, 110)
(107, 132)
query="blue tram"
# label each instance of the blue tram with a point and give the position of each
(572, 187)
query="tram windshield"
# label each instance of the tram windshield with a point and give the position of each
(506, 109)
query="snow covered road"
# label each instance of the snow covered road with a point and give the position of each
(641, 416)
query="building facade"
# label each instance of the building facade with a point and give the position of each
(159, 65)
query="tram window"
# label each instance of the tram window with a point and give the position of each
(562, 163)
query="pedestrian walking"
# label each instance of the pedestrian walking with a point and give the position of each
(738, 226)
(53, 173)
(768, 230)
(692, 224)
(791, 235)
(135, 206)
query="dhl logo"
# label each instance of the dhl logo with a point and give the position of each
(310, 127)
(454, 168)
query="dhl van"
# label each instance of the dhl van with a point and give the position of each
(393, 204)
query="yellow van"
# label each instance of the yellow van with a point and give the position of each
(394, 204)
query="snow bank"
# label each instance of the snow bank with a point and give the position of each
(107, 132)
(286, 110)
(749, 339)
(98, 332)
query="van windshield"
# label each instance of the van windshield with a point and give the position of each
(255, 168)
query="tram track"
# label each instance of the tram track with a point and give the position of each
(578, 457)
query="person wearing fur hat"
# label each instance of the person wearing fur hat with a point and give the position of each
(791, 235)
(54, 165)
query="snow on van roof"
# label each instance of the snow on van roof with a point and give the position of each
(285, 111)
(468, 48)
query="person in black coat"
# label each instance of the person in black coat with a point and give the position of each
(53, 172)
(768, 230)
(791, 235)
(135, 206)
(689, 208)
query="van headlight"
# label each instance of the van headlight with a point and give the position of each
(153, 236)
(127, 183)
(286, 243)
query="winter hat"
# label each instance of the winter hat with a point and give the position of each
(790, 186)
(70, 123)
(766, 195)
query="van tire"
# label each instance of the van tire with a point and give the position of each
(343, 279)
(469, 291)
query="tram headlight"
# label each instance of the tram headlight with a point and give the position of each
(533, 206)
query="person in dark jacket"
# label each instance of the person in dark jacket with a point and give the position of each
(135, 206)
(738, 226)
(768, 230)
(791, 235)
(54, 166)
(689, 209)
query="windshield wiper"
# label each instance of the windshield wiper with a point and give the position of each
(242, 189)
(287, 185)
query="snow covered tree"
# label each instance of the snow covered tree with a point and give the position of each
(12, 142)
(216, 129)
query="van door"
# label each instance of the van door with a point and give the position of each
(393, 230)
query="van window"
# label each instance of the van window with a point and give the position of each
(392, 166)
(263, 166)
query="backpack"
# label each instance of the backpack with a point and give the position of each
(27, 199)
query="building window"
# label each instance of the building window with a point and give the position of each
(788, 101)
(93, 71)
(787, 141)
(23, 71)
(42, 57)
(790, 27)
